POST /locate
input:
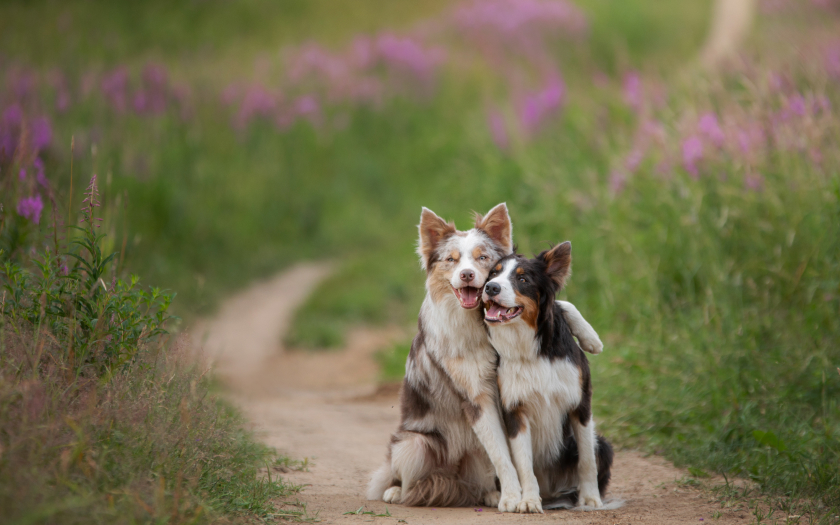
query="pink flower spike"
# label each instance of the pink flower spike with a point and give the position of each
(498, 131)
(31, 208)
(632, 88)
(754, 182)
(618, 180)
(709, 127)
(692, 153)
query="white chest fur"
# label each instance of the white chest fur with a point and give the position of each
(457, 339)
(546, 389)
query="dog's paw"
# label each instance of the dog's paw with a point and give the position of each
(591, 344)
(509, 503)
(590, 497)
(392, 495)
(530, 505)
(492, 498)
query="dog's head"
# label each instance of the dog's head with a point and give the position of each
(457, 262)
(519, 289)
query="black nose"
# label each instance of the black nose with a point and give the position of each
(467, 275)
(493, 289)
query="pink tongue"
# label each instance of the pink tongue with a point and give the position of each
(495, 310)
(469, 295)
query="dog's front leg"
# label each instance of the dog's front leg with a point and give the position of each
(580, 327)
(587, 464)
(523, 459)
(487, 425)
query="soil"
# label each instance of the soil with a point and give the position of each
(327, 407)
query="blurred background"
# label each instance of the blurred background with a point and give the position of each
(688, 149)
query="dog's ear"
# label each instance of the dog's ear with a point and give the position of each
(433, 230)
(496, 224)
(558, 263)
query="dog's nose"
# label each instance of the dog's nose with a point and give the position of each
(467, 275)
(493, 289)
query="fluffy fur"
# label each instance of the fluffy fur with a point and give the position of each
(544, 382)
(451, 445)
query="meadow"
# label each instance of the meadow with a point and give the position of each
(703, 206)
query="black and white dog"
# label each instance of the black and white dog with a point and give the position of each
(451, 443)
(544, 383)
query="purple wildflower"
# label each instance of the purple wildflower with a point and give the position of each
(633, 160)
(692, 150)
(40, 177)
(257, 102)
(139, 103)
(754, 182)
(23, 84)
(796, 105)
(156, 87)
(12, 116)
(307, 105)
(498, 131)
(509, 19)
(632, 89)
(535, 107)
(10, 130)
(709, 127)
(407, 55)
(31, 208)
(62, 100)
(22, 174)
(41, 133)
(618, 179)
(114, 86)
(832, 60)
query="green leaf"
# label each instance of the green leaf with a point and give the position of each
(769, 439)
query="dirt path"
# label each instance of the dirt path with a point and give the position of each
(326, 407)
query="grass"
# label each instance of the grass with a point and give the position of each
(153, 445)
(103, 417)
(713, 285)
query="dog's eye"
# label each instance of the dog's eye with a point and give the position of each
(523, 280)
(482, 258)
(451, 259)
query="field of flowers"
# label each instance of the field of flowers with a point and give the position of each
(703, 206)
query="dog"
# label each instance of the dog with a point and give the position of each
(544, 383)
(451, 445)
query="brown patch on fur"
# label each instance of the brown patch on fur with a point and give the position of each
(496, 224)
(433, 230)
(520, 271)
(414, 403)
(498, 268)
(558, 263)
(440, 489)
(530, 310)
(472, 411)
(514, 420)
(476, 253)
(439, 286)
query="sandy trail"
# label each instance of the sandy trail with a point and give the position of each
(326, 407)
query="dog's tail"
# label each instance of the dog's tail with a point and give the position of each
(380, 482)
(604, 459)
(440, 490)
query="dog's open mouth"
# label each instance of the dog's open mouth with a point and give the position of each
(497, 313)
(468, 296)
